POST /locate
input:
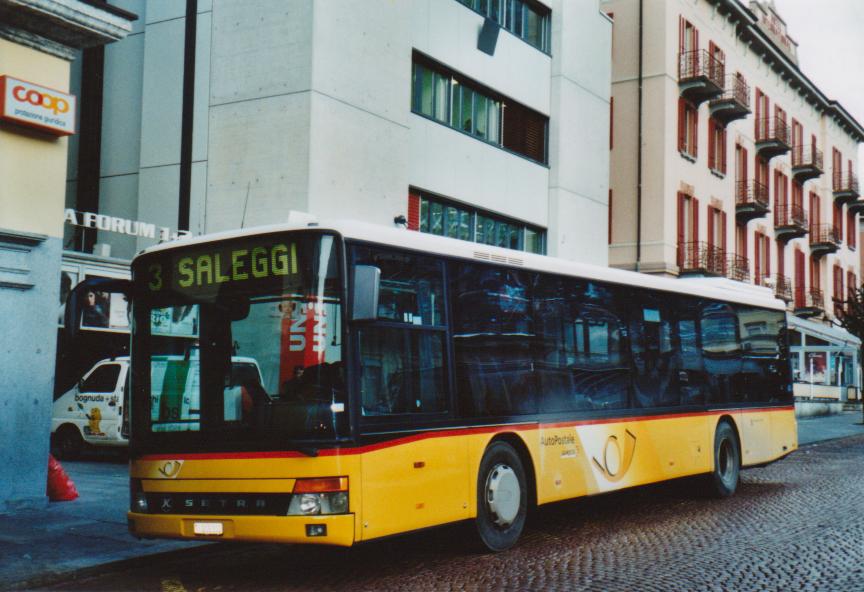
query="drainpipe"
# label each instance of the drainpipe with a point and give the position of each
(639, 156)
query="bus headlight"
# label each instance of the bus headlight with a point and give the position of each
(314, 497)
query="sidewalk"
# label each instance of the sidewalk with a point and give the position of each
(42, 546)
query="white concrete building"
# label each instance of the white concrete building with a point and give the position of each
(728, 161)
(486, 121)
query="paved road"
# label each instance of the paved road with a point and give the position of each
(796, 525)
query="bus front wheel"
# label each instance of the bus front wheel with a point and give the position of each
(723, 481)
(502, 497)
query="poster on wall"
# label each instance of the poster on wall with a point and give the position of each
(68, 280)
(817, 363)
(175, 321)
(104, 310)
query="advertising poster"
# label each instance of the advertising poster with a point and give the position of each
(105, 311)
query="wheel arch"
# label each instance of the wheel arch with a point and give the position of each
(521, 449)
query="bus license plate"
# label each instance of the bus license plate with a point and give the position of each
(207, 528)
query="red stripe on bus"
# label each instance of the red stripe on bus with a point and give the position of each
(448, 432)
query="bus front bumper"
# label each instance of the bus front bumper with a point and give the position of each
(337, 529)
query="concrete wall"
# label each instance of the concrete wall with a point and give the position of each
(32, 187)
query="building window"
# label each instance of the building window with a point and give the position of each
(530, 21)
(716, 147)
(838, 291)
(851, 284)
(851, 230)
(462, 104)
(688, 126)
(446, 218)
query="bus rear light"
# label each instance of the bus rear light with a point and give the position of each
(322, 485)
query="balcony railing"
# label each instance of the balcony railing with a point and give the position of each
(845, 186)
(701, 257)
(782, 287)
(824, 239)
(751, 200)
(738, 268)
(734, 102)
(790, 221)
(700, 75)
(807, 162)
(772, 136)
(809, 302)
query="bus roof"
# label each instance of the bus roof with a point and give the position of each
(714, 288)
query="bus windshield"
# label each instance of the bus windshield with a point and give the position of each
(238, 344)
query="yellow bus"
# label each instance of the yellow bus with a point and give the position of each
(408, 380)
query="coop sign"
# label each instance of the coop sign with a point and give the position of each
(122, 225)
(36, 106)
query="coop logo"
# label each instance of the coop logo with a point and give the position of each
(615, 462)
(36, 106)
(53, 103)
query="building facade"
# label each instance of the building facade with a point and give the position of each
(38, 41)
(485, 121)
(727, 161)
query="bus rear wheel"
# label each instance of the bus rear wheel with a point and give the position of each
(723, 481)
(502, 497)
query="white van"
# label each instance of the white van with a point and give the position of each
(92, 411)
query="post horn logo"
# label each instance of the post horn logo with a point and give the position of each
(614, 465)
(171, 468)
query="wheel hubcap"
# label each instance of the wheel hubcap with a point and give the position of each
(727, 463)
(503, 495)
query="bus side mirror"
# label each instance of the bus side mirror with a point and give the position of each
(364, 296)
(76, 302)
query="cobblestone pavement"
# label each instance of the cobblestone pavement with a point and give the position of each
(795, 525)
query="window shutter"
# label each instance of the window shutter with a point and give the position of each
(695, 132)
(723, 230)
(680, 35)
(413, 211)
(723, 150)
(711, 142)
(711, 211)
(767, 242)
(681, 199)
(695, 203)
(757, 259)
(682, 122)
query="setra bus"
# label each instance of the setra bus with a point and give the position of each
(408, 380)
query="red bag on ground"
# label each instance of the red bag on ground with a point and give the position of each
(60, 486)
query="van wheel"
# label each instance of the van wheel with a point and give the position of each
(68, 443)
(502, 498)
(723, 481)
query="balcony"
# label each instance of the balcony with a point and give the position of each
(734, 103)
(701, 258)
(790, 222)
(808, 303)
(856, 207)
(782, 287)
(738, 268)
(751, 200)
(807, 163)
(824, 239)
(700, 76)
(772, 137)
(845, 187)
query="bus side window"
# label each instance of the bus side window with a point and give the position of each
(765, 366)
(493, 334)
(402, 369)
(721, 352)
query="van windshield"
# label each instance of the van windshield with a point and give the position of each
(241, 338)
